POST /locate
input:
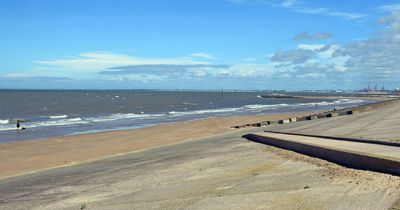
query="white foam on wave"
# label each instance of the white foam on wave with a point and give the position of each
(58, 116)
(171, 113)
(2, 122)
(58, 122)
(349, 101)
(62, 122)
(112, 117)
(322, 103)
(340, 102)
(262, 106)
(202, 112)
(121, 116)
(5, 125)
(7, 128)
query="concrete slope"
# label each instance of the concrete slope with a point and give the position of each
(374, 157)
(379, 124)
(220, 172)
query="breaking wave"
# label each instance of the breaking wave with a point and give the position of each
(58, 116)
(2, 122)
(64, 120)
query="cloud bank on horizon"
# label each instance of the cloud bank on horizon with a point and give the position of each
(234, 44)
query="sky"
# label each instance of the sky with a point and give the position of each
(193, 44)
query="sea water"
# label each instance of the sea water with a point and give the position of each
(50, 113)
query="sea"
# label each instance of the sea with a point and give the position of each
(50, 113)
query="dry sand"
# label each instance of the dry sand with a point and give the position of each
(30, 156)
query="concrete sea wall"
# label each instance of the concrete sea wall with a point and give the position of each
(344, 158)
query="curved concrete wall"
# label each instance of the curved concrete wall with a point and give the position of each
(387, 143)
(344, 158)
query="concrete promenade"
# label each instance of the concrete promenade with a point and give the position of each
(384, 151)
(367, 156)
(220, 172)
(381, 124)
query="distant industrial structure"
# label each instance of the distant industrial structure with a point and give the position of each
(375, 90)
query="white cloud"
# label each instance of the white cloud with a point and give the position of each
(312, 47)
(289, 3)
(160, 69)
(353, 64)
(313, 75)
(328, 51)
(390, 7)
(96, 61)
(252, 70)
(203, 56)
(238, 71)
(310, 61)
(298, 6)
(346, 15)
(144, 78)
(235, 71)
(107, 66)
(292, 57)
(328, 12)
(15, 76)
(377, 58)
(87, 65)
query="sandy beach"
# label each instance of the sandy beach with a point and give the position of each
(31, 156)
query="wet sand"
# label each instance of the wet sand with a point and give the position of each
(31, 156)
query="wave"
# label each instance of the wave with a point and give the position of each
(8, 128)
(265, 107)
(121, 116)
(63, 120)
(261, 106)
(322, 103)
(58, 116)
(202, 112)
(2, 122)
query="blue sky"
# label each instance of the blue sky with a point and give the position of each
(208, 44)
